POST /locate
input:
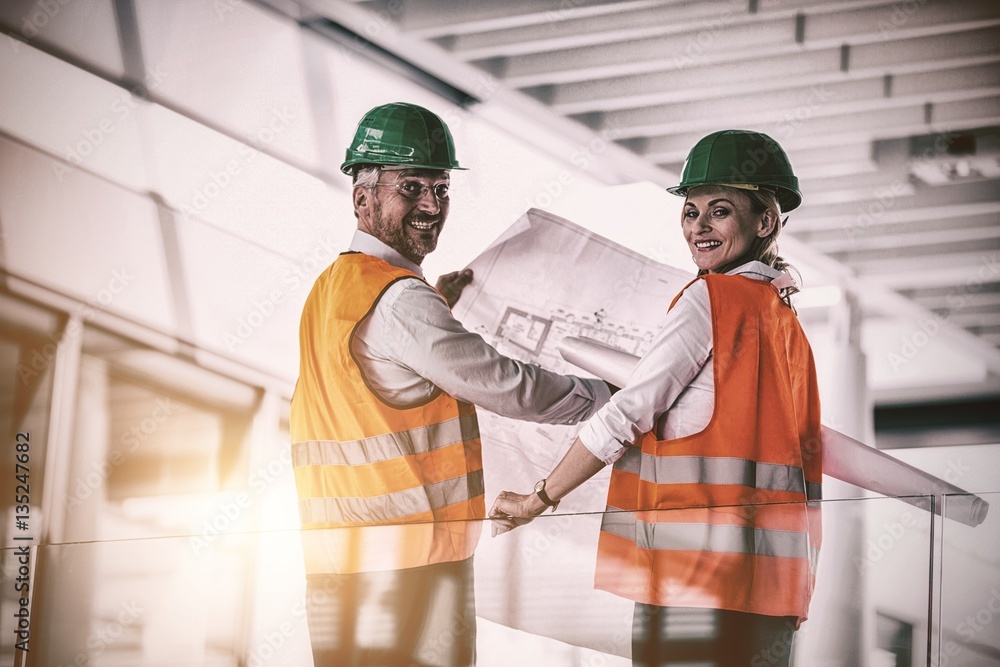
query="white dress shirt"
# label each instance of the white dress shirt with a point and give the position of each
(411, 345)
(673, 386)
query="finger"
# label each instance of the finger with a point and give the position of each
(501, 526)
(499, 511)
(499, 529)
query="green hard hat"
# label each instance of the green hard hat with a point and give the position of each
(401, 134)
(741, 158)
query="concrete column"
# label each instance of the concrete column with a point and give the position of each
(837, 632)
(68, 575)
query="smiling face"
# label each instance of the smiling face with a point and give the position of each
(721, 229)
(406, 210)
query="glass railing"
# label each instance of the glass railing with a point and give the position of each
(895, 585)
(968, 618)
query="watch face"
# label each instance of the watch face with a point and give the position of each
(539, 485)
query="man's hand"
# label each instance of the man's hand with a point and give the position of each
(451, 285)
(511, 510)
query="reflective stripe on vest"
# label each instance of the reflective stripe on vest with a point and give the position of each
(721, 518)
(386, 446)
(362, 463)
(395, 506)
(706, 536)
(718, 470)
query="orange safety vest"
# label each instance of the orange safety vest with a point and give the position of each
(719, 519)
(412, 476)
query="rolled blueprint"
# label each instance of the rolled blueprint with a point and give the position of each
(606, 362)
(844, 458)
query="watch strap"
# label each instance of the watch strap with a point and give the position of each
(544, 497)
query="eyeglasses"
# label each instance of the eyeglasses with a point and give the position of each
(415, 190)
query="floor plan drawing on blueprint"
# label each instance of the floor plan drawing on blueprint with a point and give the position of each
(544, 279)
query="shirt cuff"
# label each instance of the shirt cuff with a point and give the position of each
(596, 437)
(599, 390)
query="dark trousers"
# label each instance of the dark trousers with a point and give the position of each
(663, 636)
(419, 617)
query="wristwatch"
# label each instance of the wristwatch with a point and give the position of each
(544, 497)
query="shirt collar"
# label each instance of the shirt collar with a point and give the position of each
(756, 270)
(369, 245)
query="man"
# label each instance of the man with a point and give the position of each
(385, 439)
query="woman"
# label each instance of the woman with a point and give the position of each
(715, 438)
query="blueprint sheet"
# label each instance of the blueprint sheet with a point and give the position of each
(546, 278)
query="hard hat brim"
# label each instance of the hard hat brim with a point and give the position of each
(348, 166)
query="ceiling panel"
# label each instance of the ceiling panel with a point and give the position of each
(889, 111)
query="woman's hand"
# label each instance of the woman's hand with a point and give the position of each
(511, 510)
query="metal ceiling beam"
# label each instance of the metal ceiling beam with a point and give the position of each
(498, 103)
(916, 278)
(973, 320)
(876, 118)
(835, 168)
(845, 219)
(794, 106)
(928, 203)
(889, 123)
(912, 394)
(970, 259)
(833, 239)
(878, 257)
(728, 44)
(429, 19)
(933, 39)
(816, 68)
(940, 301)
(877, 297)
(993, 338)
(641, 23)
(906, 241)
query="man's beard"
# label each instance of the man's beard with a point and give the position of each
(395, 236)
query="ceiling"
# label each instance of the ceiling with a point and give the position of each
(889, 111)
